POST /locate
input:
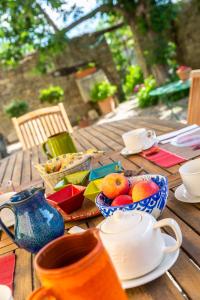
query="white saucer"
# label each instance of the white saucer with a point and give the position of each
(168, 260)
(6, 214)
(182, 195)
(127, 152)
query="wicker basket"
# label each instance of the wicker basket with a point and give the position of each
(52, 179)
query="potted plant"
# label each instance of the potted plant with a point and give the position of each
(102, 93)
(16, 108)
(85, 71)
(183, 72)
(52, 95)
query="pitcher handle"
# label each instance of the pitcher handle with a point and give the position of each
(44, 148)
(3, 226)
(175, 227)
(42, 294)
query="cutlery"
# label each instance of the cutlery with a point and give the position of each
(182, 134)
(176, 133)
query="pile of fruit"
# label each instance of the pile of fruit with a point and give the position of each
(121, 191)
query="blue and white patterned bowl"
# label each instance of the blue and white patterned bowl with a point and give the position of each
(153, 205)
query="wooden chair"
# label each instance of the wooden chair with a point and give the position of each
(35, 127)
(193, 116)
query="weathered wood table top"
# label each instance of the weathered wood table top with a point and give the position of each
(183, 279)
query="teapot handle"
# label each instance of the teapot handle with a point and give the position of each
(175, 227)
(3, 226)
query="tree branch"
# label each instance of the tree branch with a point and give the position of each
(108, 29)
(102, 8)
(49, 20)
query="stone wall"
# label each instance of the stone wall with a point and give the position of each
(188, 34)
(23, 83)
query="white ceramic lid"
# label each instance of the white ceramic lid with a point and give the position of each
(125, 220)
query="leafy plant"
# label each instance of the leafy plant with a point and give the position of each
(133, 78)
(52, 95)
(102, 90)
(16, 108)
(143, 96)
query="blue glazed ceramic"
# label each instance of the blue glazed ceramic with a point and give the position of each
(97, 173)
(37, 223)
(153, 205)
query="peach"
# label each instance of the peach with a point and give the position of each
(131, 189)
(144, 189)
(114, 185)
(122, 200)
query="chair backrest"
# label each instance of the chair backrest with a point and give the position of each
(193, 116)
(35, 127)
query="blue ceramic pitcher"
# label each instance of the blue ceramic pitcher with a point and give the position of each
(36, 222)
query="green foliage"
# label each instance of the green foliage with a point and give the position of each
(102, 90)
(170, 55)
(157, 21)
(121, 44)
(16, 108)
(24, 29)
(143, 97)
(133, 77)
(52, 95)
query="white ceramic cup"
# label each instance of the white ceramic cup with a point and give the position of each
(139, 139)
(190, 174)
(5, 292)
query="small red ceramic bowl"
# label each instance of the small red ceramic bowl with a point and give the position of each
(69, 199)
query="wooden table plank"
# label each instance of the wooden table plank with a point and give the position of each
(94, 141)
(9, 170)
(191, 239)
(159, 289)
(104, 139)
(17, 172)
(188, 213)
(84, 143)
(187, 275)
(3, 166)
(26, 172)
(23, 275)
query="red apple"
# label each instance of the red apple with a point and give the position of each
(114, 185)
(144, 189)
(122, 200)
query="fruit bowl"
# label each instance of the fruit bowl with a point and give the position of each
(153, 205)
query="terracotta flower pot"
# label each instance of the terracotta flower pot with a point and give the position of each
(184, 74)
(84, 73)
(107, 105)
(84, 123)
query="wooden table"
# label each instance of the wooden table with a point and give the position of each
(183, 279)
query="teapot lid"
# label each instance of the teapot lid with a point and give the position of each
(124, 220)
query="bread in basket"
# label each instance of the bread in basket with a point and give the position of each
(55, 169)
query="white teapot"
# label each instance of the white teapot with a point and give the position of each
(135, 243)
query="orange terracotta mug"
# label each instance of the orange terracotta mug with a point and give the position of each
(76, 267)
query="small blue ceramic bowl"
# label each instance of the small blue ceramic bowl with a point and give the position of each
(153, 205)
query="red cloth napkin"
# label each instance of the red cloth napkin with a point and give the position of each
(7, 267)
(161, 157)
